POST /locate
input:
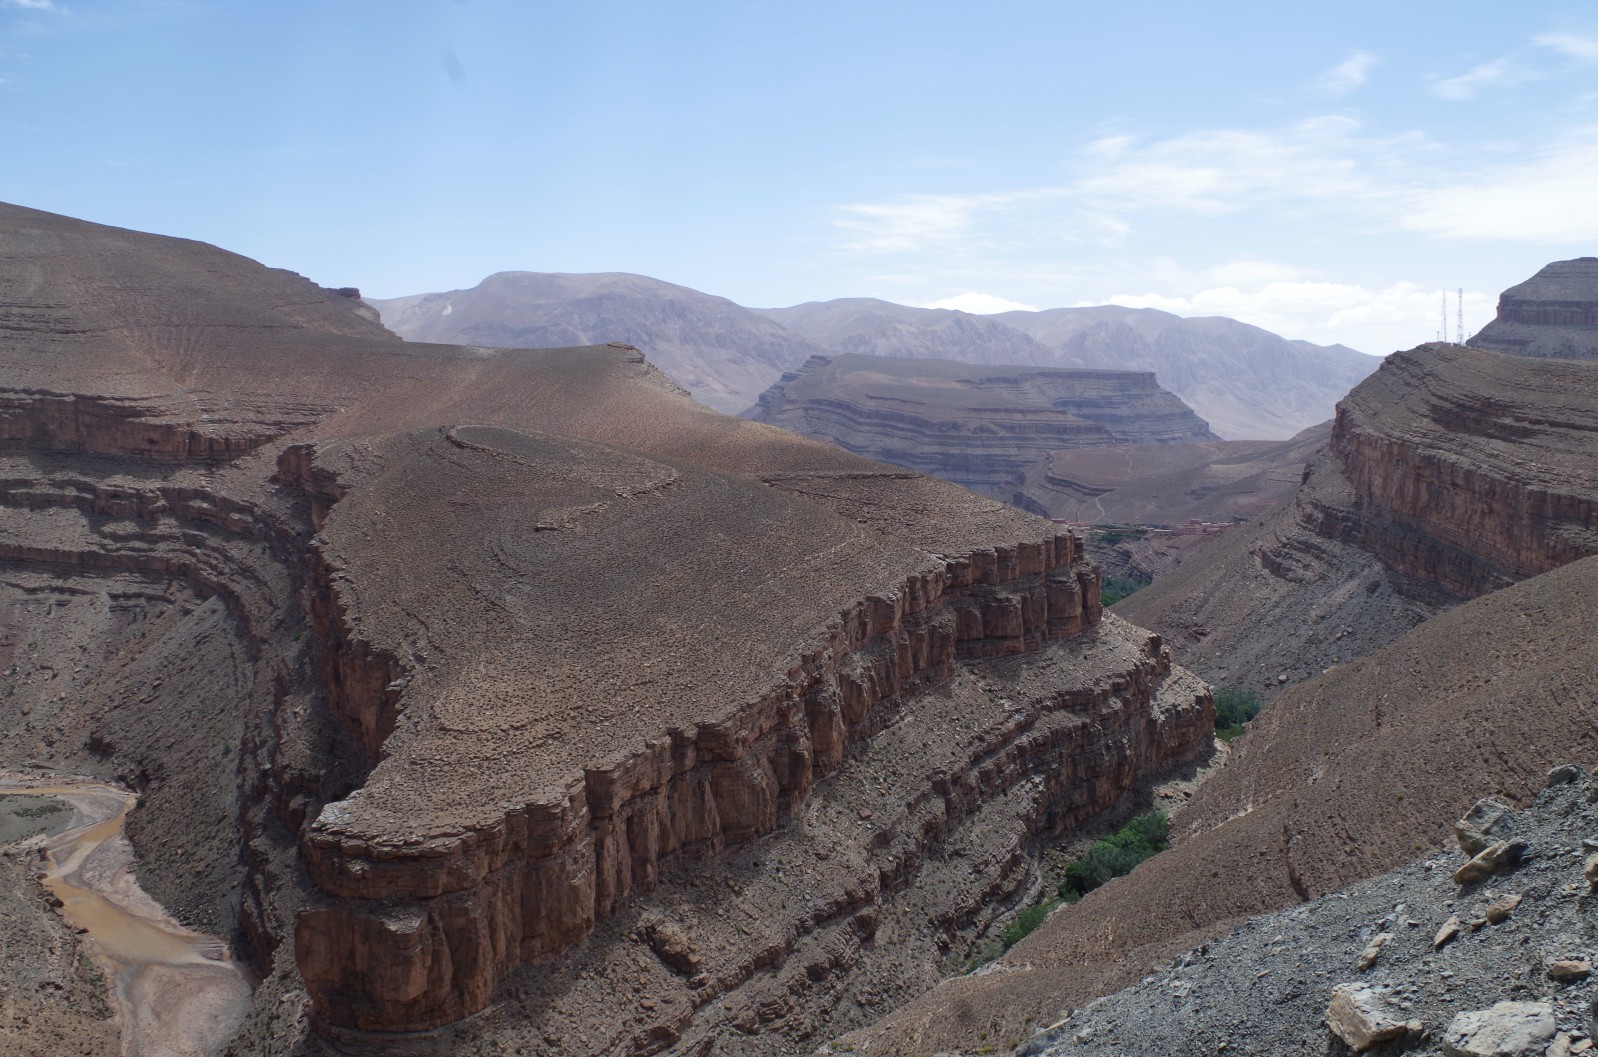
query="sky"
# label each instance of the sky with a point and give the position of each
(1325, 171)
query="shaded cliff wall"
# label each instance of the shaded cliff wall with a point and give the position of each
(475, 905)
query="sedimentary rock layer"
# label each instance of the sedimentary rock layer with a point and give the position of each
(983, 427)
(1346, 776)
(1169, 484)
(442, 657)
(1554, 313)
(1450, 472)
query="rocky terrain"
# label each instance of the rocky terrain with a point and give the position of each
(1451, 472)
(984, 428)
(1412, 962)
(514, 685)
(1554, 313)
(1247, 383)
(1342, 778)
(1169, 484)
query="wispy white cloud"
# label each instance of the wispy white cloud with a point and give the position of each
(1349, 75)
(1573, 45)
(1225, 170)
(1505, 72)
(36, 5)
(980, 304)
(910, 223)
(1546, 198)
(1536, 194)
(916, 221)
(1403, 314)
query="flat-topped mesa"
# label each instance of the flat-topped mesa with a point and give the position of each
(1554, 313)
(981, 426)
(530, 848)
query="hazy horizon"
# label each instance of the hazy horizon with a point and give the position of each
(1323, 173)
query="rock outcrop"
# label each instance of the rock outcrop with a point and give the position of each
(1247, 383)
(1451, 472)
(456, 666)
(1351, 774)
(982, 427)
(1554, 313)
(1496, 991)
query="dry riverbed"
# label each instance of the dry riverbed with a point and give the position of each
(90, 964)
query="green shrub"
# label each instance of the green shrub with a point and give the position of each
(1023, 924)
(1114, 534)
(1234, 708)
(1118, 587)
(1117, 854)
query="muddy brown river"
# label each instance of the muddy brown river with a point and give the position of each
(178, 993)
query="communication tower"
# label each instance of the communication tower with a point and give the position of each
(1459, 306)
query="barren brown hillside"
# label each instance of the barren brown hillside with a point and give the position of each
(1450, 472)
(1341, 778)
(443, 670)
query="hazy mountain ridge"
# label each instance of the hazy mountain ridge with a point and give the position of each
(722, 353)
(1246, 382)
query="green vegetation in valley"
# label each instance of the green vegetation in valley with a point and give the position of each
(1114, 534)
(1118, 587)
(1142, 838)
(1022, 925)
(1234, 709)
(1111, 856)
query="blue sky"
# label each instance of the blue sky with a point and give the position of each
(1321, 170)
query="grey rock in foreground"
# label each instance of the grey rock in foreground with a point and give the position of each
(1289, 983)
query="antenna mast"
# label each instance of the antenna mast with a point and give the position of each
(1459, 305)
(1442, 331)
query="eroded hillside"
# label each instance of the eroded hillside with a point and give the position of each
(1343, 777)
(458, 679)
(1451, 472)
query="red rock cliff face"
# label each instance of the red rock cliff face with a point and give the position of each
(423, 931)
(1468, 470)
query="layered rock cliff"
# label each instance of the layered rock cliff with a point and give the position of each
(1350, 774)
(1554, 313)
(982, 427)
(1169, 484)
(1451, 472)
(472, 663)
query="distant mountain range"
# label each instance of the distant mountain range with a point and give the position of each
(1247, 383)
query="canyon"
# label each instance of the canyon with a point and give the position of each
(1421, 613)
(496, 699)
(981, 427)
(1450, 473)
(478, 694)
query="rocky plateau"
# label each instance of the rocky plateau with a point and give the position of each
(495, 699)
